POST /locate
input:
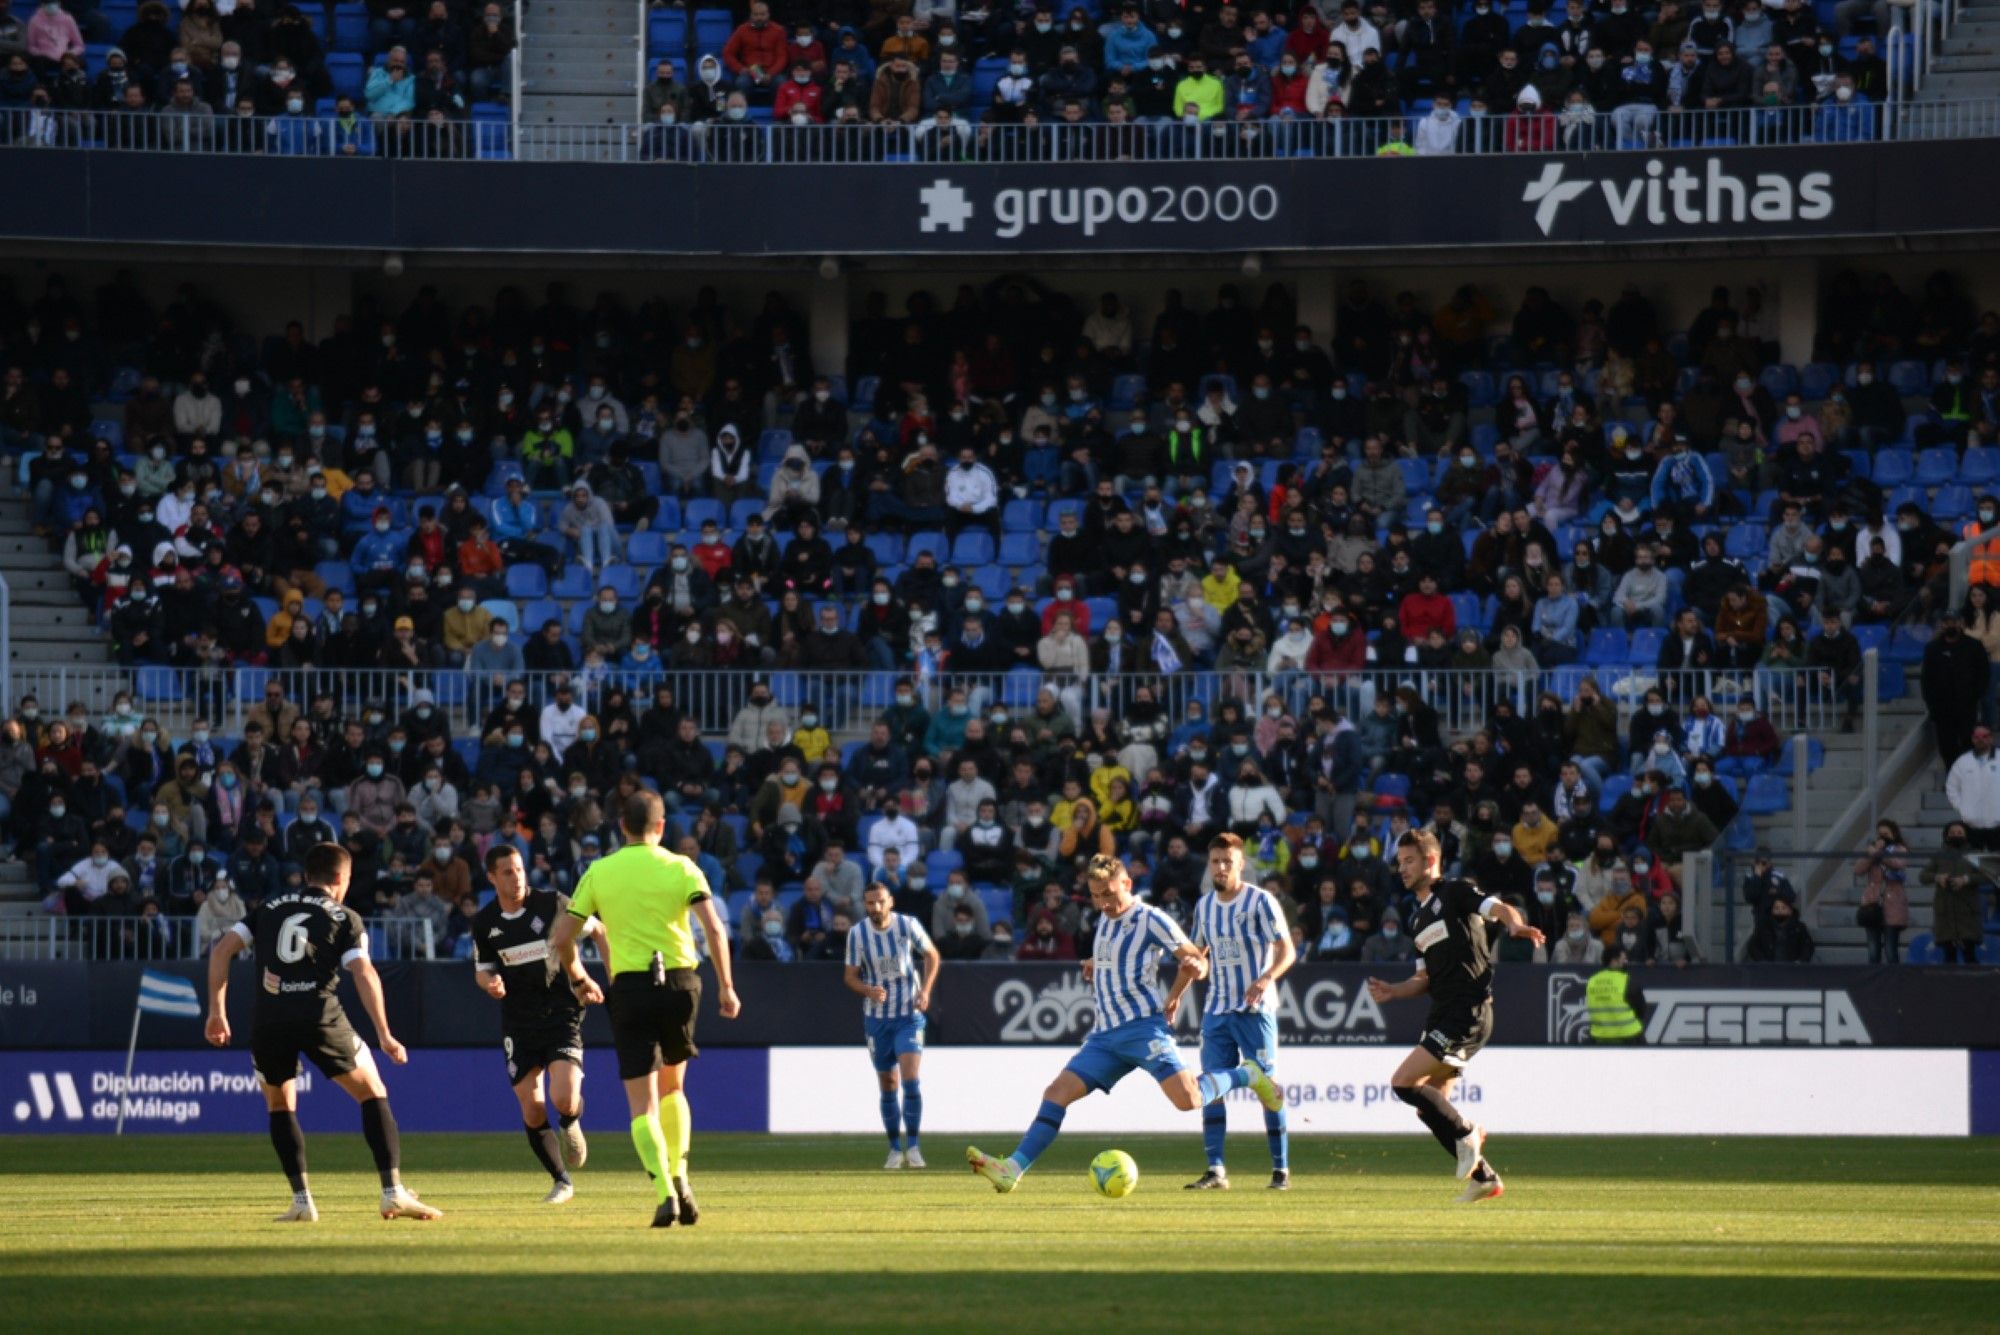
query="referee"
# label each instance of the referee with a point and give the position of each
(642, 894)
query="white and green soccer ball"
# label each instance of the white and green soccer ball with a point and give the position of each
(1114, 1174)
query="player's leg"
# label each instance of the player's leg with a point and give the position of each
(909, 1058)
(565, 1071)
(1218, 1053)
(541, 1136)
(1259, 1032)
(882, 1056)
(281, 1102)
(1424, 1082)
(1087, 1070)
(363, 1084)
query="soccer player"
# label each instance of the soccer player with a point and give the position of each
(642, 895)
(1249, 948)
(1455, 968)
(303, 939)
(541, 1021)
(878, 967)
(1133, 1024)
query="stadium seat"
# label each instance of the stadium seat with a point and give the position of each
(1645, 650)
(1922, 948)
(1021, 516)
(647, 550)
(1910, 379)
(1607, 647)
(574, 582)
(1125, 389)
(1815, 757)
(1893, 468)
(1746, 542)
(1767, 795)
(972, 547)
(1019, 549)
(1936, 467)
(930, 541)
(1019, 688)
(1952, 502)
(345, 72)
(888, 548)
(1979, 466)
(941, 863)
(526, 580)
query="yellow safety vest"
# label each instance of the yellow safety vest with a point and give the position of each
(1611, 1019)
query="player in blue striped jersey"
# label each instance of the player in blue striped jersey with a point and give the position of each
(1134, 1023)
(1243, 930)
(879, 967)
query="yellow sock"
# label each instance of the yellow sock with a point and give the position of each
(677, 1125)
(651, 1143)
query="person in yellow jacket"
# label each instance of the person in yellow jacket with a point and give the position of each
(1221, 584)
(1617, 1007)
(279, 628)
(1199, 89)
(1534, 834)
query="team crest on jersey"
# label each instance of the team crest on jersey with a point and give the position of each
(535, 925)
(1159, 1047)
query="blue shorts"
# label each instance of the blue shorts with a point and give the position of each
(1109, 1055)
(892, 1038)
(1233, 1037)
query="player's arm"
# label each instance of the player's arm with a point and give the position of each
(851, 975)
(1283, 957)
(933, 964)
(718, 955)
(1416, 985)
(369, 984)
(569, 927)
(227, 947)
(487, 976)
(1511, 918)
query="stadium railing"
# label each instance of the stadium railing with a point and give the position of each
(1829, 883)
(847, 702)
(751, 142)
(90, 937)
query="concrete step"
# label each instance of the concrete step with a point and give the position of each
(1969, 62)
(540, 108)
(592, 43)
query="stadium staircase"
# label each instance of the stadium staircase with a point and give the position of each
(49, 626)
(1968, 62)
(579, 66)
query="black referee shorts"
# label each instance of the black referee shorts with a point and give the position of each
(653, 1025)
(1455, 1034)
(328, 1040)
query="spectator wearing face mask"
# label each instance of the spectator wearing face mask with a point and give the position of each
(962, 939)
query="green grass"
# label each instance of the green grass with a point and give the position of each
(1653, 1234)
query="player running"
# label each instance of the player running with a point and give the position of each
(1455, 967)
(1133, 1027)
(878, 968)
(303, 938)
(1249, 948)
(642, 896)
(541, 1022)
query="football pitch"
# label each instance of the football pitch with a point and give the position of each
(796, 1234)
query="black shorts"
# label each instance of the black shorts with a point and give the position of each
(534, 1045)
(1455, 1034)
(328, 1039)
(653, 1026)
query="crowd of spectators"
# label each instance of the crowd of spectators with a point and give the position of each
(240, 76)
(1167, 80)
(1264, 540)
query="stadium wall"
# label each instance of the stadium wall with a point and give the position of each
(1533, 203)
(76, 1005)
(821, 1091)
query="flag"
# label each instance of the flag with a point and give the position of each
(1164, 657)
(168, 994)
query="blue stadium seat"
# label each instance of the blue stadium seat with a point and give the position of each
(1936, 467)
(667, 34)
(1607, 647)
(646, 550)
(1952, 502)
(347, 74)
(699, 511)
(1615, 787)
(1019, 549)
(942, 863)
(1910, 378)
(888, 548)
(864, 393)
(574, 582)
(159, 685)
(1101, 611)
(347, 29)
(628, 580)
(1125, 389)
(1980, 466)
(1923, 949)
(1817, 379)
(1019, 688)
(930, 541)
(1468, 611)
(1815, 757)
(1021, 516)
(1894, 467)
(1767, 795)
(526, 580)
(972, 547)
(1645, 650)
(1480, 390)
(1746, 542)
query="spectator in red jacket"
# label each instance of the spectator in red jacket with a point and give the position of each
(807, 46)
(1427, 610)
(799, 92)
(755, 54)
(1532, 128)
(1341, 648)
(1750, 735)
(1288, 87)
(1308, 41)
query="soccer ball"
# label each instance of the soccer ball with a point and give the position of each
(1114, 1174)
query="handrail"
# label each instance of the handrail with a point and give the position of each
(6, 639)
(927, 146)
(639, 62)
(514, 76)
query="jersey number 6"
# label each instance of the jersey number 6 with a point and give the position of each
(292, 943)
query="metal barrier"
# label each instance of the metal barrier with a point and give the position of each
(846, 702)
(929, 144)
(169, 938)
(1823, 879)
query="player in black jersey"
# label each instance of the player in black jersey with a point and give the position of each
(541, 1021)
(1450, 929)
(303, 938)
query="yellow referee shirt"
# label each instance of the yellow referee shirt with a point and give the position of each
(642, 894)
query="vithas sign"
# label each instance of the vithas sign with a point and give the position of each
(1704, 196)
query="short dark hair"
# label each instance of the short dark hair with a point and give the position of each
(643, 810)
(1422, 840)
(498, 854)
(324, 864)
(1226, 841)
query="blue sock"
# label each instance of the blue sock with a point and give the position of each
(1041, 1134)
(892, 1119)
(913, 1111)
(1281, 1144)
(1214, 1084)
(1214, 1121)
